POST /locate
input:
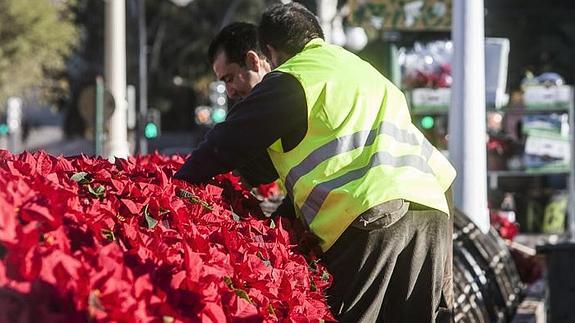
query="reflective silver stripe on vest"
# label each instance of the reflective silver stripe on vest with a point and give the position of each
(426, 149)
(350, 142)
(320, 192)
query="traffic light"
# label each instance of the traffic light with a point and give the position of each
(12, 125)
(152, 126)
(151, 130)
(218, 114)
(427, 122)
(217, 111)
(203, 115)
(219, 101)
(4, 129)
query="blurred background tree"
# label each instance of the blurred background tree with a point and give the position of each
(178, 40)
(177, 44)
(36, 36)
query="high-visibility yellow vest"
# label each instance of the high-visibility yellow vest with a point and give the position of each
(360, 149)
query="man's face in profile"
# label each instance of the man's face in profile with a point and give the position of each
(239, 80)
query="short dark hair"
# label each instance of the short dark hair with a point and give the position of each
(235, 40)
(288, 27)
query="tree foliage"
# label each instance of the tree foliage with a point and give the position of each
(178, 40)
(35, 38)
(177, 44)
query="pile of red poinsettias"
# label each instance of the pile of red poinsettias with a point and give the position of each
(82, 239)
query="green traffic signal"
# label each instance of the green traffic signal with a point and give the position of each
(427, 122)
(218, 115)
(151, 130)
(4, 129)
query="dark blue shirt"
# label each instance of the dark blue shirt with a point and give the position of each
(275, 109)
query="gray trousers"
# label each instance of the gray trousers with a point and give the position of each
(396, 268)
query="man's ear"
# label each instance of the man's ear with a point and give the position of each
(252, 61)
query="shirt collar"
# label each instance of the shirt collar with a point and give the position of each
(316, 42)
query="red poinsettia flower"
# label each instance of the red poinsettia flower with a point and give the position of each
(81, 238)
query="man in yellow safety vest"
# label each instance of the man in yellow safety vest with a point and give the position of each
(364, 180)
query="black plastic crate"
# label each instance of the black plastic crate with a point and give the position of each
(560, 260)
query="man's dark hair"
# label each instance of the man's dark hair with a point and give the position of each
(235, 40)
(288, 27)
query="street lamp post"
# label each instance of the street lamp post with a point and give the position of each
(141, 141)
(115, 77)
(467, 134)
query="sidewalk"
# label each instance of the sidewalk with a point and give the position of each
(51, 139)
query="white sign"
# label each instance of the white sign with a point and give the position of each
(541, 97)
(424, 99)
(554, 147)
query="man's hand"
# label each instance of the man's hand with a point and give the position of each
(270, 197)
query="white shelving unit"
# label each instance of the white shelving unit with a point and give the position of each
(495, 176)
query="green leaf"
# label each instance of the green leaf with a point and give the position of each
(313, 265)
(229, 282)
(192, 198)
(108, 234)
(325, 276)
(81, 177)
(150, 221)
(271, 309)
(98, 191)
(242, 294)
(312, 286)
(272, 224)
(184, 194)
